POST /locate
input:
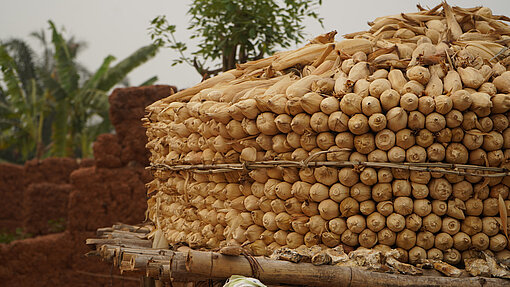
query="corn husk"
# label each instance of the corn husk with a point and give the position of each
(502, 82)
(420, 89)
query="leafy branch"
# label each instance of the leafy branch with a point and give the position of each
(235, 31)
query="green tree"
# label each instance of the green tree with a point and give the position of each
(22, 107)
(51, 105)
(236, 31)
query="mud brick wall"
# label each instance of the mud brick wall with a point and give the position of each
(47, 188)
(31, 193)
(127, 107)
(45, 207)
(103, 196)
(88, 193)
(114, 188)
(50, 170)
(11, 194)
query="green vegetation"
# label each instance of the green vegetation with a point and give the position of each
(57, 225)
(54, 226)
(234, 31)
(7, 237)
(49, 104)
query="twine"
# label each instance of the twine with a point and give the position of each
(446, 168)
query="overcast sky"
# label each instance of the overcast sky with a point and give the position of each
(118, 27)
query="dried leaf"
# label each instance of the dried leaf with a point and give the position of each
(453, 25)
(324, 38)
(447, 269)
(477, 267)
(159, 240)
(234, 250)
(503, 213)
(496, 270)
(400, 267)
(287, 254)
(324, 54)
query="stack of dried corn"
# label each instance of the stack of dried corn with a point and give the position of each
(417, 89)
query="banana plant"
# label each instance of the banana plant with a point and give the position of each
(22, 106)
(56, 109)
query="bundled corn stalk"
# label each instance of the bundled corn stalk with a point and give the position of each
(424, 90)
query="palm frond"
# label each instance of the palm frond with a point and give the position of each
(51, 105)
(96, 78)
(53, 87)
(46, 61)
(66, 69)
(149, 82)
(88, 92)
(83, 73)
(10, 77)
(60, 130)
(75, 47)
(98, 102)
(119, 71)
(24, 58)
(41, 36)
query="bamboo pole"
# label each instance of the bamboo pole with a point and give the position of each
(119, 241)
(139, 261)
(106, 253)
(130, 228)
(273, 271)
(125, 234)
(147, 282)
(124, 265)
(152, 269)
(190, 266)
(102, 231)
